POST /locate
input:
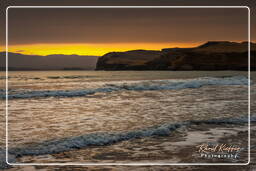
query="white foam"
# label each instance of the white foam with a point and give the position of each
(106, 138)
(134, 86)
(190, 83)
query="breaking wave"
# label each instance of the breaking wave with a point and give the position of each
(134, 86)
(72, 77)
(106, 138)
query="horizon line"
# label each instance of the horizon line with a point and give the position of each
(82, 49)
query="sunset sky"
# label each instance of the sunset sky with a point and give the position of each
(98, 31)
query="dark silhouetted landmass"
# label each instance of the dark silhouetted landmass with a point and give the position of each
(214, 55)
(18, 61)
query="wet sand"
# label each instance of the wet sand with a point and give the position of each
(179, 147)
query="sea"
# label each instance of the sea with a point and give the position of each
(120, 116)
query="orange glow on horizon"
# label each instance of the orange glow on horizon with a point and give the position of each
(90, 49)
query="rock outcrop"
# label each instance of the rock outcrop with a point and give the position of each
(221, 55)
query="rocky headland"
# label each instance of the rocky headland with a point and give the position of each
(213, 55)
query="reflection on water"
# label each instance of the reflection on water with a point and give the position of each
(34, 120)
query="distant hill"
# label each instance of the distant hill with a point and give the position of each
(213, 55)
(18, 61)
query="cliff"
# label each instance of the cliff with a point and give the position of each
(221, 55)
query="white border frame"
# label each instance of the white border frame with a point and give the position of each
(131, 163)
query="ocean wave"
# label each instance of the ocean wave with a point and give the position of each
(72, 77)
(19, 77)
(106, 138)
(134, 86)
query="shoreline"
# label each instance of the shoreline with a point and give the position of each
(178, 152)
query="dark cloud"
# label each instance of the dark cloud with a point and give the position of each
(125, 25)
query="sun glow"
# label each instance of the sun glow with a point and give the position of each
(89, 49)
